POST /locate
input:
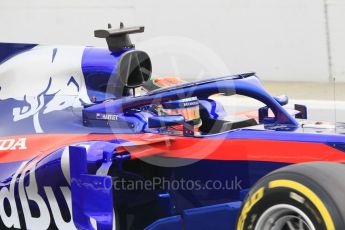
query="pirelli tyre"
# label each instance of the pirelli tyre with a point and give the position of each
(308, 196)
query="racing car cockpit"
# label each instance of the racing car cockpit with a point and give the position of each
(170, 105)
(189, 109)
(201, 116)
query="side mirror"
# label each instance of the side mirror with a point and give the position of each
(165, 121)
(282, 99)
(303, 111)
(263, 116)
(171, 120)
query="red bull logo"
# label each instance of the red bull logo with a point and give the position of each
(27, 196)
(40, 82)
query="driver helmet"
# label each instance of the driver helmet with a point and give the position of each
(187, 107)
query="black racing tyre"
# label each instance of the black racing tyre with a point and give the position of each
(309, 196)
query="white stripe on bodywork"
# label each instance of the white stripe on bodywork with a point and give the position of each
(30, 76)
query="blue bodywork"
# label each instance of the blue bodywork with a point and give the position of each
(72, 184)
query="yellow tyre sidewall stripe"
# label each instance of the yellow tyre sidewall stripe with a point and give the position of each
(310, 195)
(251, 201)
(255, 197)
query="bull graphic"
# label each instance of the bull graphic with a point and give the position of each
(45, 79)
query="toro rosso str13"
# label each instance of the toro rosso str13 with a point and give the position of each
(88, 140)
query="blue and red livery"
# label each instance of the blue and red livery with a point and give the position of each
(71, 128)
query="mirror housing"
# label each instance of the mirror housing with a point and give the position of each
(263, 116)
(171, 120)
(303, 111)
(165, 121)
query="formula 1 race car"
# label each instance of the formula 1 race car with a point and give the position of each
(88, 140)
